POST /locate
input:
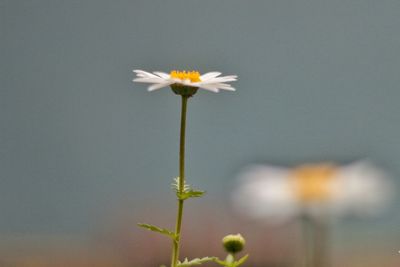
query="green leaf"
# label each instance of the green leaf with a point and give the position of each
(196, 261)
(241, 260)
(176, 185)
(220, 262)
(229, 263)
(158, 230)
(187, 191)
(189, 194)
(195, 193)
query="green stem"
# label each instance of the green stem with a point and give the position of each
(230, 259)
(309, 241)
(316, 242)
(176, 242)
(321, 247)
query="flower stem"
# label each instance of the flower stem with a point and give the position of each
(316, 241)
(230, 259)
(176, 242)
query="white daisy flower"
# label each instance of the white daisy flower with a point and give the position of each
(280, 194)
(211, 81)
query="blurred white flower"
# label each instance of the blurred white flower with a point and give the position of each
(281, 193)
(211, 81)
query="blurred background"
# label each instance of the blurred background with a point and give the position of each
(85, 154)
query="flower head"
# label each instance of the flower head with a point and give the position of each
(233, 243)
(313, 182)
(280, 193)
(185, 82)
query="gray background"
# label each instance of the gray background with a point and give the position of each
(318, 80)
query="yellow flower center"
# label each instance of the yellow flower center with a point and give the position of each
(312, 182)
(193, 76)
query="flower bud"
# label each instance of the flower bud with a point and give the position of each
(233, 243)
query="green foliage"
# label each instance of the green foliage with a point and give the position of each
(241, 260)
(196, 261)
(158, 230)
(189, 194)
(187, 191)
(230, 262)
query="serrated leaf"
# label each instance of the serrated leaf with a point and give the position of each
(189, 194)
(241, 260)
(157, 229)
(176, 185)
(195, 193)
(196, 261)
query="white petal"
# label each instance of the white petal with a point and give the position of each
(157, 86)
(361, 189)
(150, 80)
(209, 75)
(186, 82)
(225, 86)
(265, 192)
(210, 87)
(142, 73)
(162, 74)
(215, 87)
(176, 80)
(228, 88)
(221, 79)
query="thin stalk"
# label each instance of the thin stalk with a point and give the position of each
(230, 259)
(321, 241)
(308, 239)
(316, 242)
(176, 242)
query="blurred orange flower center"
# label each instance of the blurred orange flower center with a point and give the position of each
(313, 182)
(193, 76)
